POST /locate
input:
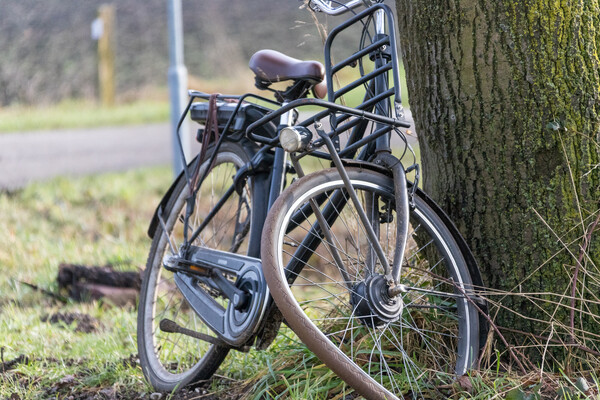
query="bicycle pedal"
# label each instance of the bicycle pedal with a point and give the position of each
(178, 264)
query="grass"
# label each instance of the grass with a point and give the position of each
(103, 219)
(95, 221)
(72, 114)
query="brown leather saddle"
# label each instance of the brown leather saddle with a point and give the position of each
(271, 66)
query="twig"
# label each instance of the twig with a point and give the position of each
(44, 291)
(546, 346)
(550, 340)
(586, 242)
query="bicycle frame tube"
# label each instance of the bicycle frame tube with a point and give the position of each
(278, 174)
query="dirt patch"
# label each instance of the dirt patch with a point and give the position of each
(83, 322)
(66, 389)
(197, 393)
(84, 283)
(8, 365)
(66, 392)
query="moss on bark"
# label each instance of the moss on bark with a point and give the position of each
(505, 95)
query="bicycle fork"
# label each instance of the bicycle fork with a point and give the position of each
(391, 273)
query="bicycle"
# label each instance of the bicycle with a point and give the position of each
(365, 268)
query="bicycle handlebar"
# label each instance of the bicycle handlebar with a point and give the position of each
(321, 103)
(326, 7)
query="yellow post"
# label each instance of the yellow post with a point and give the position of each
(106, 55)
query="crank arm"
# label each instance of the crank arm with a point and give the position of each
(238, 297)
(166, 325)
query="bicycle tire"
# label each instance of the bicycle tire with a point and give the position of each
(173, 360)
(396, 352)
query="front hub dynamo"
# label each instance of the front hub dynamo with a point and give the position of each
(372, 304)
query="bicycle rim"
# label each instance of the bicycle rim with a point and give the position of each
(382, 347)
(172, 360)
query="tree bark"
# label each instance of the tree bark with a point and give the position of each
(505, 95)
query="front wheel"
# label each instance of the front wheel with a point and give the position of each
(330, 286)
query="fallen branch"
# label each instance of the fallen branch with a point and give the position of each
(86, 283)
(69, 274)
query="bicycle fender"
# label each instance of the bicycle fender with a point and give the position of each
(163, 202)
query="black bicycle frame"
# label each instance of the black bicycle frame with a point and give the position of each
(373, 108)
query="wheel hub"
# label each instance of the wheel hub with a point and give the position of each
(372, 304)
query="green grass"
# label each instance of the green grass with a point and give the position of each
(103, 219)
(94, 221)
(81, 114)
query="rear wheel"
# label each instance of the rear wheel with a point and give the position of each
(173, 360)
(333, 294)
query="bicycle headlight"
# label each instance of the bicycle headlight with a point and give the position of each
(294, 138)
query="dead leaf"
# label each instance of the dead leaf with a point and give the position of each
(465, 383)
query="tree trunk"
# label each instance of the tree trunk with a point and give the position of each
(505, 95)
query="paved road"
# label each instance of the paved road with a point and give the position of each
(37, 156)
(27, 157)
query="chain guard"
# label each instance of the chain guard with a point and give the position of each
(233, 326)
